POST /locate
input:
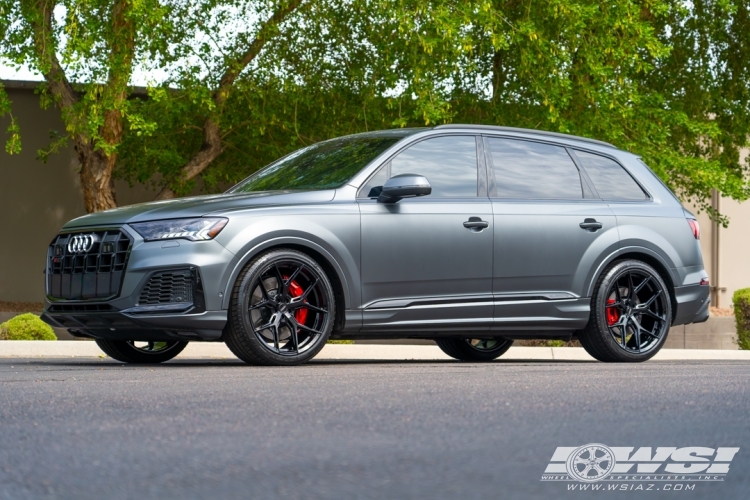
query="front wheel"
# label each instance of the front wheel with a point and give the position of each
(631, 312)
(474, 349)
(282, 310)
(131, 351)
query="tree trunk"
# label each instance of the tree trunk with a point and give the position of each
(97, 181)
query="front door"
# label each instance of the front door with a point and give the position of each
(551, 234)
(422, 267)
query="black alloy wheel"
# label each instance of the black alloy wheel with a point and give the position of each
(282, 310)
(631, 312)
(147, 352)
(474, 349)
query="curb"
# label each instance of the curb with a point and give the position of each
(217, 350)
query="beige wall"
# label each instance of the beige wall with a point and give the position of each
(733, 244)
(36, 199)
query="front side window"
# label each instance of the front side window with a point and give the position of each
(325, 165)
(449, 164)
(610, 180)
(532, 170)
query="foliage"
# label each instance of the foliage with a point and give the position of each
(741, 301)
(26, 327)
(248, 81)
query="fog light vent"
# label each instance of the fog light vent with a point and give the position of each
(167, 287)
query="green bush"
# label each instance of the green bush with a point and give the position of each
(741, 300)
(26, 327)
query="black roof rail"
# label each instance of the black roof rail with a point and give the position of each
(497, 128)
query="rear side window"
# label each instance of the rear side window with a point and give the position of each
(449, 163)
(532, 170)
(609, 178)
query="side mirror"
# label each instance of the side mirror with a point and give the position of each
(404, 186)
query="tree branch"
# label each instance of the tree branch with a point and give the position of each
(212, 143)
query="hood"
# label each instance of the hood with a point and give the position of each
(197, 206)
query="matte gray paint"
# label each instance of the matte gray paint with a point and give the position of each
(412, 268)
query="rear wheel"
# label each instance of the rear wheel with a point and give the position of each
(282, 310)
(474, 349)
(631, 312)
(131, 351)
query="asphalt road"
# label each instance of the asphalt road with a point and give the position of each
(97, 429)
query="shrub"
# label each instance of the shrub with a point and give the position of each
(741, 300)
(340, 342)
(26, 327)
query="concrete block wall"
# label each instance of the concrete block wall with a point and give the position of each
(716, 333)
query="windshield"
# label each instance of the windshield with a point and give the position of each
(325, 165)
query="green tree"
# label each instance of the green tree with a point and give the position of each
(85, 51)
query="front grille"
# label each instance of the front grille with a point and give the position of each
(81, 273)
(167, 287)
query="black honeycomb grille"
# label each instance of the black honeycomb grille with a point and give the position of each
(166, 287)
(94, 274)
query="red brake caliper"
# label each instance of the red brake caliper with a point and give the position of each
(295, 291)
(613, 315)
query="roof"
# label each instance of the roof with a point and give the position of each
(495, 128)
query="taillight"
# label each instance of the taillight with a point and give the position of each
(695, 227)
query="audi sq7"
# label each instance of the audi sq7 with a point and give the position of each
(472, 236)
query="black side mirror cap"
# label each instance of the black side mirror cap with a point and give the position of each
(404, 186)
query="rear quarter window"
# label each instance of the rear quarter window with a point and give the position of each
(610, 179)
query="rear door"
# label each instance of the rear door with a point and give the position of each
(551, 233)
(421, 266)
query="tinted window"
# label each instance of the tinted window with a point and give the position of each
(449, 163)
(609, 178)
(531, 170)
(324, 165)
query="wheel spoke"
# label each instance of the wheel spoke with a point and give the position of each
(262, 303)
(295, 338)
(652, 299)
(304, 305)
(281, 288)
(636, 333)
(291, 278)
(654, 315)
(642, 284)
(296, 301)
(630, 286)
(263, 291)
(618, 298)
(304, 327)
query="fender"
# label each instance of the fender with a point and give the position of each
(623, 251)
(233, 271)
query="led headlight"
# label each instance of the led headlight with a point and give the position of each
(198, 229)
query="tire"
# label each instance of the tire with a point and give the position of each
(624, 326)
(470, 350)
(128, 352)
(280, 325)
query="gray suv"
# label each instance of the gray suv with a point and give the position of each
(472, 236)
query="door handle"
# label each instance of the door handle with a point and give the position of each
(476, 224)
(590, 225)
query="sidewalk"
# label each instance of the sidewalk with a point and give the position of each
(219, 351)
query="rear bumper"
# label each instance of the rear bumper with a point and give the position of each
(118, 325)
(692, 304)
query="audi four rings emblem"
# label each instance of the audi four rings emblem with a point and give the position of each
(81, 243)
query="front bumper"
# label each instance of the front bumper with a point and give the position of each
(126, 317)
(117, 325)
